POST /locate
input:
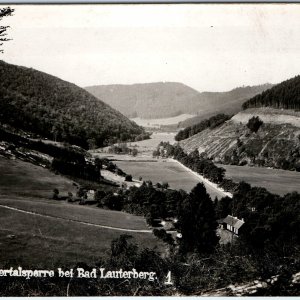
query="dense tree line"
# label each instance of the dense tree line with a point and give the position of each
(284, 95)
(50, 107)
(87, 171)
(271, 221)
(122, 148)
(211, 123)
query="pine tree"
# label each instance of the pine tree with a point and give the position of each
(197, 221)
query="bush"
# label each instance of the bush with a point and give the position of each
(128, 177)
(55, 194)
(163, 235)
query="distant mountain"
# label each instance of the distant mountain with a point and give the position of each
(46, 105)
(224, 102)
(148, 100)
(284, 95)
(169, 99)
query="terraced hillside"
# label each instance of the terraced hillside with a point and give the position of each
(276, 144)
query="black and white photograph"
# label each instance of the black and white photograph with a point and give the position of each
(150, 149)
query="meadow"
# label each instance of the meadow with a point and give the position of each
(165, 171)
(36, 241)
(23, 178)
(59, 235)
(276, 181)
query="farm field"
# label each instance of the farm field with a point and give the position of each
(165, 171)
(276, 181)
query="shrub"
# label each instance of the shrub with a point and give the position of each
(254, 124)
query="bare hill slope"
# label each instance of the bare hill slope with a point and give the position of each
(276, 144)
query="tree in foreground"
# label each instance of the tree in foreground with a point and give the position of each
(197, 221)
(4, 12)
(254, 124)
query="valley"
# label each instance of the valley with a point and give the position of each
(75, 206)
(166, 170)
(149, 150)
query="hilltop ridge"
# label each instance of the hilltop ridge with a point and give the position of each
(45, 105)
(170, 99)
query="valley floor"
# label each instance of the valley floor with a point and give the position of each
(179, 177)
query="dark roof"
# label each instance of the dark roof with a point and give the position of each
(234, 221)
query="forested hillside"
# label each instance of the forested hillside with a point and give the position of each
(284, 95)
(50, 107)
(169, 99)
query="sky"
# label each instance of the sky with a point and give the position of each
(209, 47)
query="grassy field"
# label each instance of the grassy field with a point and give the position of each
(77, 212)
(23, 178)
(56, 238)
(276, 181)
(35, 241)
(165, 171)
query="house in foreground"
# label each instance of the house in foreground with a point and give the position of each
(229, 229)
(232, 224)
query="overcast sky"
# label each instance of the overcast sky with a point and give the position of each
(208, 47)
